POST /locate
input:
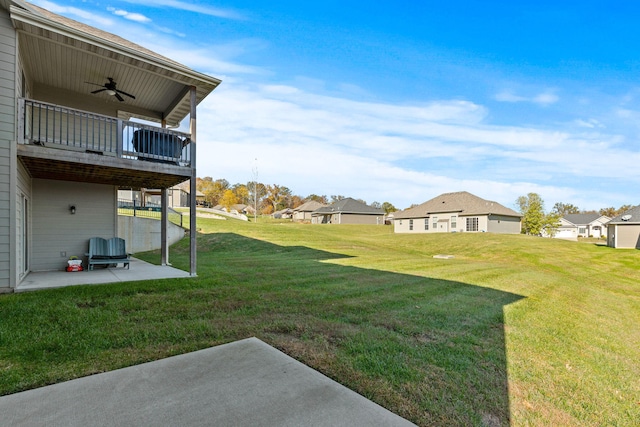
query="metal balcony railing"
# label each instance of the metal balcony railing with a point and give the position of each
(149, 210)
(54, 126)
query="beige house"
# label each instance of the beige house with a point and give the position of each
(457, 212)
(623, 231)
(68, 141)
(573, 226)
(348, 211)
(304, 211)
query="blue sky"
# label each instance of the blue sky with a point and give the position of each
(403, 101)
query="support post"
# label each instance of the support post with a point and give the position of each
(192, 184)
(164, 223)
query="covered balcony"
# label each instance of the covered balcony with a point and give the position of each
(94, 112)
(57, 142)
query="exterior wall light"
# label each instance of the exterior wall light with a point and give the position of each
(72, 209)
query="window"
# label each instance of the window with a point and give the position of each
(472, 224)
(582, 230)
(454, 223)
(426, 224)
(435, 223)
(410, 225)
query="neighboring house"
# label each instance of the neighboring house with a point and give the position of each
(237, 208)
(303, 212)
(178, 197)
(285, 213)
(73, 99)
(623, 231)
(457, 212)
(347, 211)
(573, 226)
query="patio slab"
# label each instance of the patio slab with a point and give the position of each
(244, 383)
(138, 270)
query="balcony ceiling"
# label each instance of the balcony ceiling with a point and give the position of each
(51, 163)
(63, 54)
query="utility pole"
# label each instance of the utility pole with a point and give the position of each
(254, 177)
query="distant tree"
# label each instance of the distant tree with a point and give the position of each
(563, 209)
(388, 207)
(278, 196)
(213, 190)
(376, 205)
(610, 212)
(623, 209)
(242, 193)
(337, 198)
(534, 221)
(257, 192)
(319, 199)
(532, 210)
(551, 223)
(296, 201)
(228, 199)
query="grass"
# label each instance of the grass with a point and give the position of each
(514, 330)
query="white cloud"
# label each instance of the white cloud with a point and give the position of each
(189, 7)
(588, 123)
(80, 14)
(545, 98)
(136, 17)
(399, 153)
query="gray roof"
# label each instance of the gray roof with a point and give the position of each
(349, 206)
(309, 206)
(632, 216)
(462, 202)
(583, 219)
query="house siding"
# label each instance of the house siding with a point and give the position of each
(7, 138)
(56, 230)
(357, 219)
(445, 224)
(503, 224)
(624, 236)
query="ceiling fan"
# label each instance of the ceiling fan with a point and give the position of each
(110, 88)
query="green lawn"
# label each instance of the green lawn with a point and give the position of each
(513, 330)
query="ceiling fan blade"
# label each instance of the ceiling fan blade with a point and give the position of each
(99, 90)
(126, 94)
(117, 95)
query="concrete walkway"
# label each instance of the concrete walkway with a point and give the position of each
(245, 383)
(138, 270)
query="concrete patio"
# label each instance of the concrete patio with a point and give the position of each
(244, 383)
(138, 270)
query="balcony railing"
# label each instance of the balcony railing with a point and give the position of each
(54, 126)
(149, 210)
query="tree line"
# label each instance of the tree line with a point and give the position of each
(536, 222)
(265, 198)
